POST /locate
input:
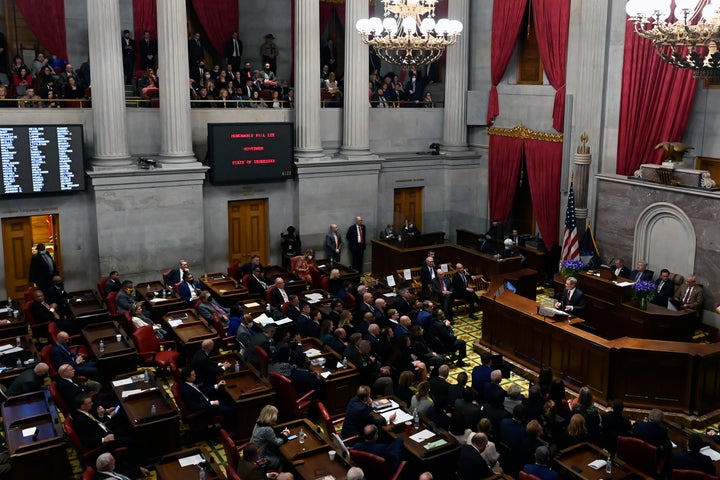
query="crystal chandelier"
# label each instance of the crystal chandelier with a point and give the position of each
(409, 35)
(684, 36)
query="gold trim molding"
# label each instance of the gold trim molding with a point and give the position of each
(523, 132)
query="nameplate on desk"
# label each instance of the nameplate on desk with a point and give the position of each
(137, 391)
(435, 444)
(251, 305)
(123, 381)
(283, 321)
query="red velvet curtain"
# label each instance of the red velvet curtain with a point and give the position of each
(144, 18)
(507, 18)
(219, 20)
(504, 165)
(552, 20)
(654, 106)
(46, 19)
(543, 161)
(326, 11)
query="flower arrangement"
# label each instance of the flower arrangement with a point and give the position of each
(570, 268)
(645, 291)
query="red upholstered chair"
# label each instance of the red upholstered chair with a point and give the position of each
(89, 473)
(294, 261)
(232, 450)
(289, 404)
(232, 473)
(325, 284)
(246, 280)
(74, 343)
(39, 329)
(227, 342)
(128, 323)
(316, 276)
(101, 287)
(527, 476)
(148, 349)
(29, 293)
(232, 270)
(194, 420)
(640, 455)
(263, 360)
(59, 401)
(326, 420)
(680, 474)
(110, 302)
(267, 292)
(45, 357)
(375, 467)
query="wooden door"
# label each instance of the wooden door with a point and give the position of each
(248, 230)
(17, 248)
(408, 203)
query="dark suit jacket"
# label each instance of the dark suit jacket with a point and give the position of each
(329, 245)
(229, 47)
(459, 287)
(26, 382)
(89, 432)
(276, 298)
(206, 369)
(40, 272)
(254, 286)
(541, 471)
(69, 390)
(112, 286)
(391, 452)
(512, 433)
(57, 294)
(654, 434)
(426, 277)
(41, 313)
(196, 52)
(194, 400)
(665, 293)
(692, 461)
(577, 301)
(646, 275)
(439, 389)
(173, 277)
(436, 285)
(354, 242)
(624, 271)
(250, 471)
(184, 291)
(61, 355)
(471, 465)
(148, 48)
(357, 415)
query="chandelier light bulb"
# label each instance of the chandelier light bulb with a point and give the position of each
(390, 25)
(456, 27)
(427, 25)
(710, 13)
(376, 25)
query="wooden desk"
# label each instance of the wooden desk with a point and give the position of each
(118, 357)
(147, 428)
(224, 289)
(249, 394)
(158, 305)
(342, 383)
(191, 332)
(612, 313)
(347, 274)
(317, 465)
(323, 305)
(672, 376)
(86, 307)
(574, 461)
(293, 283)
(168, 468)
(45, 457)
(313, 453)
(535, 259)
(17, 325)
(9, 361)
(417, 449)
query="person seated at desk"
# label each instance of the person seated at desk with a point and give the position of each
(92, 432)
(43, 312)
(207, 369)
(264, 436)
(250, 267)
(69, 387)
(207, 399)
(113, 283)
(391, 452)
(388, 233)
(57, 295)
(540, 468)
(619, 269)
(189, 289)
(692, 459)
(471, 464)
(175, 275)
(278, 295)
(256, 282)
(264, 340)
(61, 354)
(409, 229)
(641, 273)
(690, 295)
(105, 466)
(653, 431)
(359, 414)
(127, 297)
(302, 270)
(247, 466)
(509, 249)
(140, 320)
(664, 288)
(307, 325)
(29, 381)
(208, 306)
(573, 299)
(486, 244)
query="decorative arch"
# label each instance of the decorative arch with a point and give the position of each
(665, 238)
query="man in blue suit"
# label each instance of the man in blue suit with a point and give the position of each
(573, 299)
(641, 273)
(540, 468)
(664, 288)
(359, 414)
(391, 452)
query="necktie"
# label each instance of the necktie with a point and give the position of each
(218, 309)
(235, 48)
(686, 298)
(569, 295)
(442, 285)
(336, 240)
(660, 286)
(639, 276)
(360, 237)
(432, 272)
(284, 295)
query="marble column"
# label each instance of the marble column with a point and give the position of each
(175, 130)
(307, 93)
(108, 93)
(582, 159)
(456, 82)
(356, 111)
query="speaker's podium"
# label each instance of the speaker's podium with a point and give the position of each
(552, 313)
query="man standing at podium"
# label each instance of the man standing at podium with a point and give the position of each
(573, 299)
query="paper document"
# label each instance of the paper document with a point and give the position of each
(597, 464)
(390, 294)
(123, 381)
(624, 284)
(3, 348)
(325, 374)
(12, 350)
(252, 305)
(422, 435)
(390, 280)
(311, 352)
(4, 310)
(158, 299)
(263, 320)
(175, 323)
(134, 391)
(401, 416)
(28, 432)
(313, 297)
(407, 275)
(283, 321)
(713, 454)
(192, 460)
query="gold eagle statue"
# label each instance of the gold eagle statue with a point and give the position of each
(674, 151)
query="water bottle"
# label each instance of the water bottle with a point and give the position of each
(18, 341)
(164, 293)
(237, 367)
(147, 287)
(416, 419)
(18, 364)
(608, 466)
(101, 347)
(153, 410)
(146, 376)
(267, 308)
(201, 476)
(301, 437)
(345, 362)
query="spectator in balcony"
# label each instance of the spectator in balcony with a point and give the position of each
(51, 101)
(324, 74)
(223, 99)
(31, 99)
(258, 80)
(397, 95)
(17, 64)
(22, 80)
(128, 54)
(247, 72)
(275, 102)
(379, 100)
(233, 51)
(269, 52)
(72, 90)
(63, 77)
(38, 64)
(196, 51)
(289, 99)
(229, 86)
(268, 77)
(84, 77)
(329, 55)
(148, 51)
(256, 101)
(212, 89)
(428, 100)
(331, 85)
(3, 53)
(414, 87)
(4, 102)
(43, 78)
(149, 85)
(221, 80)
(203, 99)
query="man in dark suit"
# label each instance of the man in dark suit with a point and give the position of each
(69, 388)
(620, 270)
(391, 452)
(265, 341)
(148, 51)
(573, 299)
(256, 282)
(512, 430)
(175, 275)
(251, 266)
(481, 374)
(641, 273)
(278, 295)
(43, 312)
(247, 466)
(442, 288)
(359, 414)
(654, 432)
(664, 288)
(540, 468)
(42, 268)
(56, 294)
(113, 282)
(91, 431)
(62, 354)
(692, 459)
(206, 369)
(486, 245)
(333, 244)
(105, 466)
(356, 242)
(205, 399)
(196, 52)
(29, 380)
(233, 52)
(463, 289)
(189, 289)
(329, 55)
(427, 275)
(471, 465)
(440, 388)
(128, 49)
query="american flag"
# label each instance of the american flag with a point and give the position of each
(570, 250)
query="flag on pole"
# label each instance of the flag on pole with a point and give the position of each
(570, 250)
(589, 253)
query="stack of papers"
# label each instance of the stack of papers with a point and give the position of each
(158, 299)
(713, 454)
(597, 464)
(191, 460)
(283, 321)
(325, 374)
(175, 323)
(422, 435)
(123, 381)
(313, 297)
(311, 352)
(384, 404)
(263, 320)
(251, 305)
(11, 350)
(5, 348)
(401, 416)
